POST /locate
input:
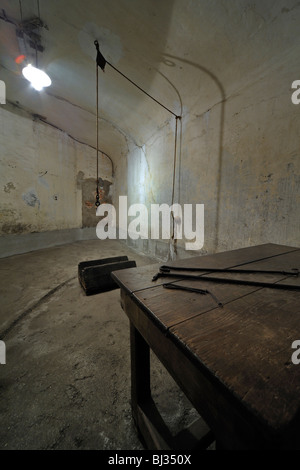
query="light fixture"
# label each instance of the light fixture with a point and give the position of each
(29, 33)
(38, 78)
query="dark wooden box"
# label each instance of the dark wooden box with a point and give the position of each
(94, 276)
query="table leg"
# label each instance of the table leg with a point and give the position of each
(140, 370)
(151, 428)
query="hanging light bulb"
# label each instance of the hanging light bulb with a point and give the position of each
(36, 77)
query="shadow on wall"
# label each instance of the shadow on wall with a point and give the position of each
(221, 137)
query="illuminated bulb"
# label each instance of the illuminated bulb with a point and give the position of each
(36, 77)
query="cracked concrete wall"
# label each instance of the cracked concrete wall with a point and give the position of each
(44, 175)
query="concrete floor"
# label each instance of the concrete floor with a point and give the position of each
(66, 382)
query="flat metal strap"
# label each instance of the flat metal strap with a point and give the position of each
(225, 280)
(291, 272)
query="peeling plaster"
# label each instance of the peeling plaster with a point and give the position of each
(31, 198)
(9, 187)
(15, 228)
(88, 188)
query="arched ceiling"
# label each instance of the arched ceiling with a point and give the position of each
(171, 48)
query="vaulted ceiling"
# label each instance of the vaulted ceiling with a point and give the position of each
(170, 48)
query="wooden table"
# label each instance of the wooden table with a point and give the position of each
(232, 362)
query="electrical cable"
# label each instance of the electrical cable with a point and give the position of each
(38, 8)
(21, 12)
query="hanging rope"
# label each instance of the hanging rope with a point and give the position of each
(173, 183)
(97, 203)
(175, 154)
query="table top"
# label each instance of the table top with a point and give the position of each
(245, 345)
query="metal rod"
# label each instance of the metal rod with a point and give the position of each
(167, 269)
(182, 277)
(174, 169)
(192, 289)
